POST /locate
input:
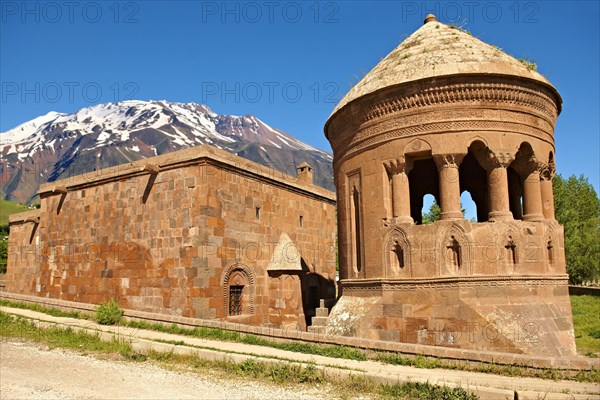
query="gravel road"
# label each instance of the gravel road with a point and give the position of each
(28, 371)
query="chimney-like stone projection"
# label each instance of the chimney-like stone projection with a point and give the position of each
(305, 172)
(444, 114)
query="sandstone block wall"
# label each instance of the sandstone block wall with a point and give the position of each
(172, 234)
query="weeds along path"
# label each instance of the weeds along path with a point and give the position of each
(28, 371)
(487, 386)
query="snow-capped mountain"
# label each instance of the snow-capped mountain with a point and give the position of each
(55, 146)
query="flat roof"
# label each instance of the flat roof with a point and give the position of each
(183, 158)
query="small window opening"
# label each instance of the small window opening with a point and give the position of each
(257, 214)
(453, 254)
(511, 254)
(301, 221)
(550, 248)
(235, 300)
(399, 252)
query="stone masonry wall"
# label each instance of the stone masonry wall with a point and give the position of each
(170, 234)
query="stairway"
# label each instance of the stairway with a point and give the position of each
(320, 319)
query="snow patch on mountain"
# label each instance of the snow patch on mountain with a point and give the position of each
(61, 145)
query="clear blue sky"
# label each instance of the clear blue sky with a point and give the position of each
(286, 62)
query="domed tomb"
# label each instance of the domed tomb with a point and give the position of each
(442, 114)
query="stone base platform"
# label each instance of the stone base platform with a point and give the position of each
(528, 315)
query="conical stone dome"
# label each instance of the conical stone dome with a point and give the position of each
(439, 50)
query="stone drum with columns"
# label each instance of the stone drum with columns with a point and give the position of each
(442, 114)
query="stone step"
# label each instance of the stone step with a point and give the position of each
(322, 312)
(316, 329)
(319, 321)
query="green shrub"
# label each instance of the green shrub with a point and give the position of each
(109, 313)
(3, 255)
(595, 333)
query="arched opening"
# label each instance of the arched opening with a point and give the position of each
(469, 207)
(238, 290)
(430, 212)
(238, 294)
(473, 179)
(315, 288)
(517, 174)
(356, 228)
(515, 193)
(423, 179)
(453, 256)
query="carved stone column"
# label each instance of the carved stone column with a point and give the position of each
(449, 185)
(400, 190)
(495, 164)
(498, 190)
(532, 193)
(546, 176)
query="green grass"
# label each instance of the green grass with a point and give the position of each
(279, 373)
(55, 312)
(232, 336)
(59, 337)
(7, 208)
(344, 352)
(586, 321)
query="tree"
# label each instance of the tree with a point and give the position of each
(433, 214)
(577, 207)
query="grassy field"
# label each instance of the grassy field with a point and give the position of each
(586, 320)
(7, 208)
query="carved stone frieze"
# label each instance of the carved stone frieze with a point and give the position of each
(380, 134)
(538, 102)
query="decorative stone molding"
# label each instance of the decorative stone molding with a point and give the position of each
(244, 271)
(455, 239)
(351, 285)
(539, 100)
(412, 110)
(553, 250)
(397, 245)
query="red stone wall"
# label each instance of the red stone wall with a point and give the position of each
(174, 241)
(24, 251)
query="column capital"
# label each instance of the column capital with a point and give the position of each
(527, 165)
(398, 165)
(547, 172)
(491, 160)
(451, 160)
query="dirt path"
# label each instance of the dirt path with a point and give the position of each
(28, 371)
(487, 386)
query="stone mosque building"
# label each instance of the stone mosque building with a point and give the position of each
(199, 233)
